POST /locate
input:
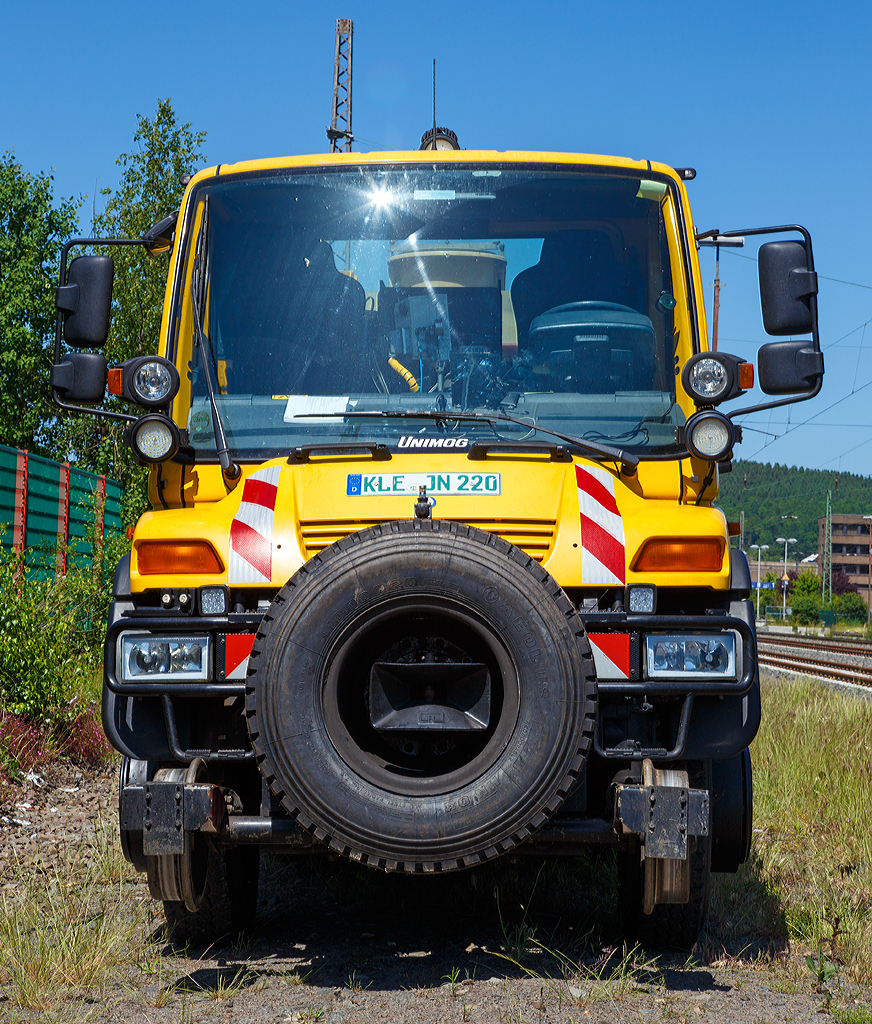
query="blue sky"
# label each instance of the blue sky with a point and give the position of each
(770, 102)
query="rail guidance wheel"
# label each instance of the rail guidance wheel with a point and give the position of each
(662, 903)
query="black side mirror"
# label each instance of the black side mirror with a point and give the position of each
(81, 377)
(789, 367)
(86, 301)
(786, 286)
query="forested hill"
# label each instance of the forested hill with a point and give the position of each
(766, 493)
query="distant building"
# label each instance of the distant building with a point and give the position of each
(850, 548)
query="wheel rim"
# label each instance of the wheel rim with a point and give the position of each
(425, 762)
(664, 880)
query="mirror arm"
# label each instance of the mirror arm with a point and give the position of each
(790, 400)
(59, 327)
(811, 279)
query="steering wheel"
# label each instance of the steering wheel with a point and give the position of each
(592, 304)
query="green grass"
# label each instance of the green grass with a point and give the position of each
(809, 881)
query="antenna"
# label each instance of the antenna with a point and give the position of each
(339, 132)
(438, 138)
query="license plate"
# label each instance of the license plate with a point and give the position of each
(362, 485)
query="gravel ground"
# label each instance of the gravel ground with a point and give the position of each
(336, 943)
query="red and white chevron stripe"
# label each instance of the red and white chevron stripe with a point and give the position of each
(602, 529)
(611, 654)
(251, 531)
(237, 650)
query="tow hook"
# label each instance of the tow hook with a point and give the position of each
(423, 504)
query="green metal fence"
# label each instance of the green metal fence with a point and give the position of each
(51, 509)
(830, 618)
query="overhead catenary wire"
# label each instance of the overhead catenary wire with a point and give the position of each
(796, 426)
(836, 280)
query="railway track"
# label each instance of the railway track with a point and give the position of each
(816, 657)
(854, 646)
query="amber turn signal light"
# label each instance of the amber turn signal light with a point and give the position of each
(681, 554)
(165, 557)
(746, 376)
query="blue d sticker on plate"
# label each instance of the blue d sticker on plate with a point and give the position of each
(354, 484)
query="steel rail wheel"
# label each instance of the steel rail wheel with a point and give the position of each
(421, 696)
(662, 903)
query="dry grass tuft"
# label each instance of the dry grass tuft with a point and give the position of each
(64, 935)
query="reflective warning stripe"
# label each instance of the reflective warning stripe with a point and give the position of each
(602, 529)
(611, 654)
(251, 532)
(237, 650)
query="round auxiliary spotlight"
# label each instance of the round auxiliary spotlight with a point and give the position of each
(151, 381)
(709, 435)
(154, 438)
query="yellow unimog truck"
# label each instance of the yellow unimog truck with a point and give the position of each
(434, 572)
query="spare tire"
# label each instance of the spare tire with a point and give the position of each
(421, 696)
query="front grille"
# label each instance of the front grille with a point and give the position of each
(532, 536)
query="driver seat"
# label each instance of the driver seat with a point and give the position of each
(574, 266)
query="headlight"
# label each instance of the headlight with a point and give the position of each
(708, 379)
(152, 382)
(709, 435)
(148, 658)
(153, 438)
(692, 655)
(713, 377)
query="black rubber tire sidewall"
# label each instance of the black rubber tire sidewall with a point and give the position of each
(517, 789)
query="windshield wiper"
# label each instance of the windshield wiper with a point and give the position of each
(199, 283)
(601, 451)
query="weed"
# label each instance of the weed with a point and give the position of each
(186, 1012)
(229, 982)
(452, 981)
(311, 1015)
(823, 970)
(355, 983)
(296, 977)
(79, 735)
(24, 744)
(851, 1014)
(518, 937)
(52, 624)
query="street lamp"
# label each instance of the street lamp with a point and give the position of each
(760, 548)
(785, 541)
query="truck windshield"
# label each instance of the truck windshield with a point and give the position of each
(546, 295)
